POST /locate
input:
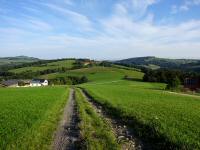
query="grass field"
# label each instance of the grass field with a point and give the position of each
(171, 119)
(98, 74)
(52, 65)
(95, 132)
(16, 60)
(29, 116)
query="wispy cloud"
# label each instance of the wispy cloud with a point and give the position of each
(134, 8)
(127, 29)
(39, 24)
(185, 6)
(68, 2)
(79, 19)
(28, 23)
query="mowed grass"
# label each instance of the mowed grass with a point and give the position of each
(98, 74)
(171, 121)
(53, 65)
(29, 116)
(95, 131)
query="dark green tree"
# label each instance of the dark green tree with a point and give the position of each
(174, 84)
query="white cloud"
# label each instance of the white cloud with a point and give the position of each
(185, 6)
(122, 34)
(40, 25)
(75, 17)
(28, 23)
(135, 8)
(30, 9)
(68, 2)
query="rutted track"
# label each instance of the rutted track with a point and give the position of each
(67, 135)
(125, 135)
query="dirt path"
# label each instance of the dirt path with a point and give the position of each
(124, 135)
(67, 134)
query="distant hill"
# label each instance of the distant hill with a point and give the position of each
(156, 63)
(9, 61)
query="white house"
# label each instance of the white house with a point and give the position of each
(39, 82)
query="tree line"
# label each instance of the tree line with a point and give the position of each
(173, 78)
(69, 80)
(30, 74)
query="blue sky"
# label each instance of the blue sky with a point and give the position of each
(100, 29)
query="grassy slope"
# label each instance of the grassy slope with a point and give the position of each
(94, 129)
(173, 116)
(29, 116)
(16, 60)
(53, 65)
(159, 62)
(99, 74)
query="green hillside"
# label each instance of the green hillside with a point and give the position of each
(156, 115)
(156, 63)
(167, 120)
(9, 61)
(53, 65)
(98, 74)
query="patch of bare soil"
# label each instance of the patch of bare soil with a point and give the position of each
(124, 135)
(67, 135)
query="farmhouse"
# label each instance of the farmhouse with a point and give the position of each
(192, 83)
(39, 82)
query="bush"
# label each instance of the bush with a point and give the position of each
(105, 64)
(84, 79)
(174, 84)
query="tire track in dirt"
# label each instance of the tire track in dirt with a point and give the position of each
(67, 134)
(124, 135)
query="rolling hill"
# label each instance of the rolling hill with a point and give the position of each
(9, 61)
(143, 106)
(98, 74)
(156, 63)
(46, 65)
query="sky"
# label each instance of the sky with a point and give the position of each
(100, 29)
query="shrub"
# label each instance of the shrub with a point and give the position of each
(174, 84)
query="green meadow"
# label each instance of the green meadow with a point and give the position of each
(52, 65)
(172, 119)
(29, 116)
(98, 74)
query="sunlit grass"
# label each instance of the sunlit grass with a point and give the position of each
(95, 132)
(52, 65)
(29, 116)
(174, 117)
